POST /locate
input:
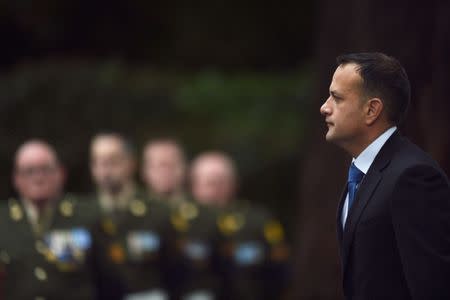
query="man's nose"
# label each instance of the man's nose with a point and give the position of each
(324, 109)
(39, 180)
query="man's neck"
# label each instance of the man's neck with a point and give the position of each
(125, 190)
(355, 149)
(173, 195)
(39, 205)
(38, 210)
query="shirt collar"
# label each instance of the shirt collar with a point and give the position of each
(366, 158)
(118, 202)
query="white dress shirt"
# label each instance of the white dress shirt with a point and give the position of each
(365, 160)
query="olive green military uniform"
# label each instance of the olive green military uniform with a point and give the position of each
(192, 251)
(130, 250)
(50, 259)
(253, 256)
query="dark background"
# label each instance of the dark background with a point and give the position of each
(247, 77)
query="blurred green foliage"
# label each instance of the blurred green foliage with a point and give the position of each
(256, 113)
(259, 118)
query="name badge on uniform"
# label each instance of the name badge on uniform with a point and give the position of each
(68, 246)
(197, 250)
(142, 244)
(248, 253)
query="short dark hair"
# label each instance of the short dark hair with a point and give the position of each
(127, 145)
(384, 77)
(167, 140)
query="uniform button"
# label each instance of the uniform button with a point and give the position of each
(4, 257)
(40, 274)
(40, 247)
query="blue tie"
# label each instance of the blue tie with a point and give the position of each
(355, 176)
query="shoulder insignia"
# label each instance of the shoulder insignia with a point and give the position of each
(188, 210)
(138, 208)
(66, 207)
(15, 211)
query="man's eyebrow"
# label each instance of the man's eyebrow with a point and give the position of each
(335, 94)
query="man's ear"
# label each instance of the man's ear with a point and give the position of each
(374, 108)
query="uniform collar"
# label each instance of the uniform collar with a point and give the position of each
(119, 202)
(39, 219)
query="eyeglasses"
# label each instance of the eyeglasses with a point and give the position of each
(44, 170)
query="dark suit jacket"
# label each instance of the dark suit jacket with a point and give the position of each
(396, 242)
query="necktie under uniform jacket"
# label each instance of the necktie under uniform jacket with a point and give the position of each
(396, 240)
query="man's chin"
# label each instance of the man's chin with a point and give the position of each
(39, 199)
(329, 137)
(333, 138)
(112, 188)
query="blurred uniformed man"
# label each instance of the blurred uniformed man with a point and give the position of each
(164, 170)
(252, 250)
(193, 244)
(130, 239)
(45, 244)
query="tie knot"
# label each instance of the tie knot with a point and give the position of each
(355, 175)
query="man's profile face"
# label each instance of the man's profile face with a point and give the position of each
(213, 182)
(111, 166)
(38, 176)
(163, 168)
(343, 110)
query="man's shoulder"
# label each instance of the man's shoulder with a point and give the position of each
(4, 215)
(4, 205)
(75, 209)
(10, 209)
(411, 158)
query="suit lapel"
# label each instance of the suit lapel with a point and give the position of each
(339, 215)
(362, 197)
(364, 194)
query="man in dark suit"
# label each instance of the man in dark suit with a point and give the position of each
(394, 216)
